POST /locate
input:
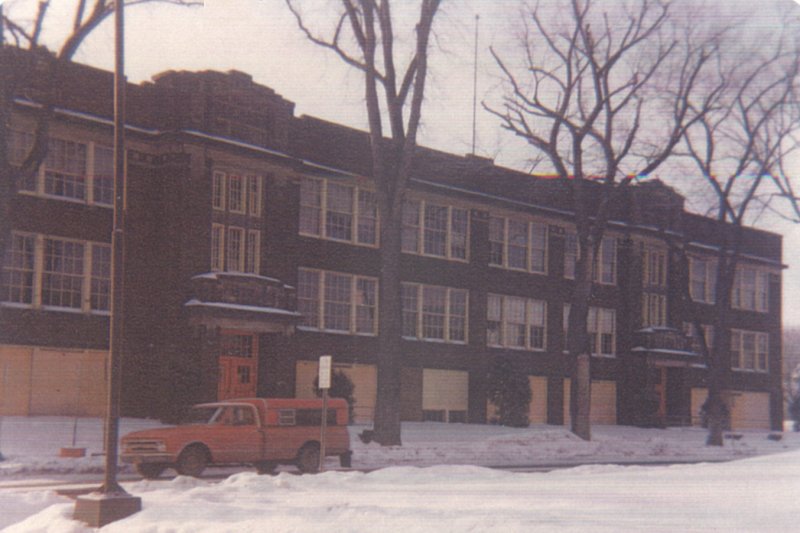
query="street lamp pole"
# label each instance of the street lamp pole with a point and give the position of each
(112, 503)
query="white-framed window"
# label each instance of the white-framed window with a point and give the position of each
(605, 266)
(601, 326)
(518, 244)
(338, 211)
(19, 269)
(434, 313)
(43, 271)
(72, 170)
(696, 341)
(514, 322)
(234, 249)
(654, 267)
(236, 194)
(703, 280)
(435, 230)
(749, 350)
(654, 309)
(751, 289)
(251, 251)
(337, 302)
(218, 186)
(604, 269)
(103, 175)
(254, 185)
(571, 254)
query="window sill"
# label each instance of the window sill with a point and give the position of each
(751, 371)
(435, 341)
(334, 331)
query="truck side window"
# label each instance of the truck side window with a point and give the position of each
(286, 417)
(243, 416)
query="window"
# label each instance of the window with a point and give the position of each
(434, 313)
(103, 183)
(571, 252)
(514, 322)
(333, 301)
(236, 345)
(695, 339)
(251, 251)
(239, 194)
(65, 169)
(235, 250)
(518, 244)
(435, 230)
(749, 350)
(654, 309)
(19, 269)
(101, 277)
(703, 280)
(235, 194)
(254, 195)
(62, 273)
(335, 211)
(57, 273)
(73, 170)
(218, 191)
(751, 289)
(654, 267)
(601, 326)
(605, 270)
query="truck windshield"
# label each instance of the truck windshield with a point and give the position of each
(199, 415)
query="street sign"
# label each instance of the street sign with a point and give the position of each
(325, 363)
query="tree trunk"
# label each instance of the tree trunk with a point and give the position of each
(720, 361)
(390, 313)
(578, 346)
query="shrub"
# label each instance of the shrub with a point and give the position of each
(509, 391)
(794, 410)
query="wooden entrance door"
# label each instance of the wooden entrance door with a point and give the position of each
(238, 365)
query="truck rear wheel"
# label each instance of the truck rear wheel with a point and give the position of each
(308, 458)
(192, 461)
(150, 470)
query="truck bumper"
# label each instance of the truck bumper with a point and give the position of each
(150, 458)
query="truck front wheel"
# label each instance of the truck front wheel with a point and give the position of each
(308, 458)
(192, 461)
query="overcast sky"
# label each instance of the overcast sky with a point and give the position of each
(260, 37)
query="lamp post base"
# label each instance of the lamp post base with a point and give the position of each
(98, 509)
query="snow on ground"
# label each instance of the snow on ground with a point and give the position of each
(435, 482)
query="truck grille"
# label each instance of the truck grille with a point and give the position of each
(144, 446)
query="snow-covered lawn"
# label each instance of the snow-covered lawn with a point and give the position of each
(436, 482)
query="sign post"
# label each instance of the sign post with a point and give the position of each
(324, 384)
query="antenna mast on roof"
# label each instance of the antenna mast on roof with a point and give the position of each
(475, 86)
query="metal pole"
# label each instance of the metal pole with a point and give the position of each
(110, 484)
(323, 429)
(475, 88)
(5, 379)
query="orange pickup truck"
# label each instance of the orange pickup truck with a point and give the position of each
(258, 431)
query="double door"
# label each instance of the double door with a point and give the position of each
(238, 365)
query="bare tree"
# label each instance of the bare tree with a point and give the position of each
(23, 57)
(741, 148)
(602, 94)
(363, 36)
